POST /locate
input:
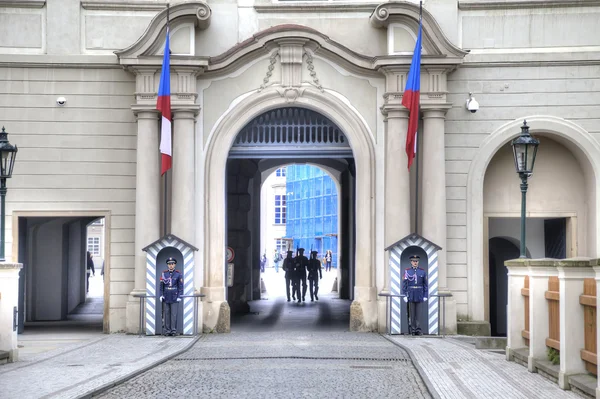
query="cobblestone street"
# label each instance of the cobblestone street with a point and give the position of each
(282, 365)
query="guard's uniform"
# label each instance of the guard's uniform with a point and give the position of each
(171, 290)
(301, 264)
(314, 273)
(288, 267)
(414, 286)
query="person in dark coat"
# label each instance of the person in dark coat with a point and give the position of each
(301, 263)
(314, 273)
(171, 290)
(414, 286)
(288, 268)
(90, 270)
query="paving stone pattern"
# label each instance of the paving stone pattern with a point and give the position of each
(456, 370)
(75, 371)
(283, 365)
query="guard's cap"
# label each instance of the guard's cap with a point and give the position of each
(314, 252)
(290, 252)
(300, 249)
(171, 260)
(415, 257)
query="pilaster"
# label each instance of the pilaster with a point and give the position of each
(183, 188)
(515, 310)
(571, 273)
(539, 272)
(147, 204)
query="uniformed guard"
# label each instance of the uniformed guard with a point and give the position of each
(301, 264)
(414, 286)
(288, 267)
(314, 273)
(171, 290)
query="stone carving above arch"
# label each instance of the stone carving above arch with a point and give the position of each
(437, 49)
(149, 45)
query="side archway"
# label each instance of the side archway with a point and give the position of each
(363, 311)
(573, 137)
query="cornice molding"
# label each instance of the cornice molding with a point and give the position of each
(434, 40)
(127, 5)
(513, 4)
(145, 48)
(22, 3)
(315, 8)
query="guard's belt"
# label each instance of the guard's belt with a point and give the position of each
(171, 288)
(416, 286)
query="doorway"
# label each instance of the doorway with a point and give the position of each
(278, 141)
(54, 248)
(546, 238)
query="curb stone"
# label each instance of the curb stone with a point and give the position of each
(421, 372)
(103, 388)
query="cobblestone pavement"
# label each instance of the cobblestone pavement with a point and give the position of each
(282, 365)
(455, 369)
(76, 370)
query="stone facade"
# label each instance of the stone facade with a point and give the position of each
(233, 60)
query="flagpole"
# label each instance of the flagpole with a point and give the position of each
(166, 179)
(417, 145)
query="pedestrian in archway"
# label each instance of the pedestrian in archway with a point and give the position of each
(277, 258)
(328, 258)
(301, 262)
(263, 262)
(288, 268)
(314, 273)
(90, 270)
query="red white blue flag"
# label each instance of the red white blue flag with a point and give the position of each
(410, 99)
(163, 104)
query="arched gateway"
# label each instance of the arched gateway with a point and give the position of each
(220, 142)
(215, 95)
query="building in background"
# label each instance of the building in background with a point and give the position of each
(312, 205)
(273, 215)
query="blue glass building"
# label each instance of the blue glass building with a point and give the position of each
(312, 210)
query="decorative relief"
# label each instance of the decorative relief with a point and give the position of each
(290, 94)
(272, 61)
(311, 69)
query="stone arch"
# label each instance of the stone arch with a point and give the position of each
(362, 142)
(572, 136)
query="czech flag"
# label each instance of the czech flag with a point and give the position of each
(163, 104)
(410, 99)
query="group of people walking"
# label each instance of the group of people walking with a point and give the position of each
(297, 270)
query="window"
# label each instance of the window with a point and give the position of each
(280, 172)
(94, 245)
(280, 209)
(280, 245)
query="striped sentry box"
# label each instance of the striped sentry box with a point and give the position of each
(398, 311)
(187, 252)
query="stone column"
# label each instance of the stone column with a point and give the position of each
(433, 196)
(517, 270)
(539, 272)
(571, 274)
(397, 212)
(182, 204)
(397, 179)
(9, 299)
(147, 205)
